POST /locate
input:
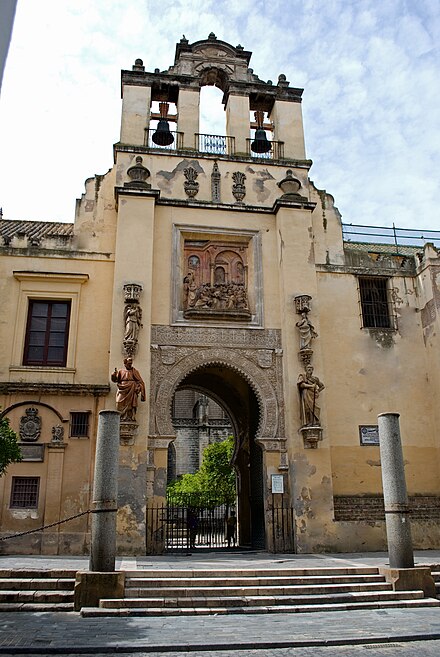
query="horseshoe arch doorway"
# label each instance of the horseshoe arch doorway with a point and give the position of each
(230, 390)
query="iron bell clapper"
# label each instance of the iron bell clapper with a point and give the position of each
(162, 136)
(261, 144)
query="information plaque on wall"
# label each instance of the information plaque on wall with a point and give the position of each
(369, 434)
(32, 452)
(277, 483)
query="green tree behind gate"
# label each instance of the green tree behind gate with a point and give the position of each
(213, 484)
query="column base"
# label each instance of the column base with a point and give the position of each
(410, 579)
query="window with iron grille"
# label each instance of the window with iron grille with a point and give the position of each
(79, 425)
(375, 304)
(47, 332)
(24, 492)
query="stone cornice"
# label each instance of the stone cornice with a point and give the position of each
(193, 154)
(43, 388)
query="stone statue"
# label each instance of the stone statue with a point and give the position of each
(306, 331)
(133, 321)
(190, 287)
(309, 387)
(130, 384)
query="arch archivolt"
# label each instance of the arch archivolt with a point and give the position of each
(171, 365)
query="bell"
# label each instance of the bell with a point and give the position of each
(261, 144)
(163, 136)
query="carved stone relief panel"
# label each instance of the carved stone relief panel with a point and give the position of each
(220, 278)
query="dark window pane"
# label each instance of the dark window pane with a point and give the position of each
(38, 324)
(56, 340)
(39, 309)
(79, 425)
(47, 333)
(36, 354)
(24, 492)
(59, 310)
(57, 324)
(374, 302)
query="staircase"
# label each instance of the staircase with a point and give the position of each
(36, 590)
(198, 592)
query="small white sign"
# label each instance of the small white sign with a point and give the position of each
(277, 483)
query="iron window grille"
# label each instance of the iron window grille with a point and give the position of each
(376, 307)
(79, 424)
(47, 333)
(24, 492)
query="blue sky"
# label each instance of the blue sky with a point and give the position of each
(371, 103)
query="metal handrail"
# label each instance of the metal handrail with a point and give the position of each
(389, 235)
(215, 144)
(175, 146)
(276, 151)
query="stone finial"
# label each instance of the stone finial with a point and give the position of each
(282, 80)
(138, 175)
(212, 37)
(289, 185)
(138, 65)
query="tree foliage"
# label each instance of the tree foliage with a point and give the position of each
(212, 484)
(9, 448)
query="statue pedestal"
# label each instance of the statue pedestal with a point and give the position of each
(127, 433)
(311, 434)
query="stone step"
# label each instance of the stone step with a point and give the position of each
(222, 573)
(20, 584)
(231, 591)
(165, 582)
(259, 600)
(94, 612)
(24, 573)
(40, 607)
(36, 596)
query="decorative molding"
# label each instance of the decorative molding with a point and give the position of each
(266, 383)
(132, 292)
(234, 338)
(46, 388)
(215, 183)
(58, 434)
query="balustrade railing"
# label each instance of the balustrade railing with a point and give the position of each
(174, 146)
(215, 144)
(276, 151)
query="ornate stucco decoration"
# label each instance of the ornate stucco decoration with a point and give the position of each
(132, 318)
(215, 183)
(30, 426)
(191, 186)
(58, 434)
(138, 175)
(238, 188)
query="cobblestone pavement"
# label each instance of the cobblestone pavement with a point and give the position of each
(412, 649)
(59, 633)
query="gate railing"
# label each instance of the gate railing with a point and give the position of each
(175, 528)
(282, 528)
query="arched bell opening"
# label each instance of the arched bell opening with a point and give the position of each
(239, 401)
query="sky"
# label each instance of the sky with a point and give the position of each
(370, 71)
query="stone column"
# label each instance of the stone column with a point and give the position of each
(394, 491)
(105, 493)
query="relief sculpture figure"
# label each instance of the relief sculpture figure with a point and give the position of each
(130, 385)
(306, 331)
(309, 387)
(133, 319)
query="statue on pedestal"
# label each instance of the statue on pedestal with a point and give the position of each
(130, 385)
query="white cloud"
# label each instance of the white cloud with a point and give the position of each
(371, 102)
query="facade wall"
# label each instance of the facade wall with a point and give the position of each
(135, 227)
